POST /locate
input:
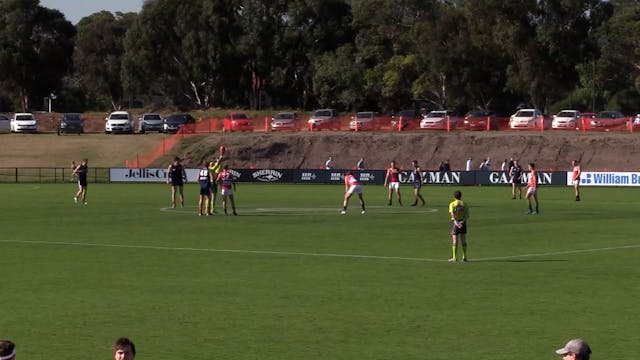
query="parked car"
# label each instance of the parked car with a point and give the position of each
(70, 123)
(23, 122)
(608, 119)
(173, 123)
(477, 120)
(636, 120)
(325, 119)
(526, 119)
(237, 122)
(365, 120)
(5, 124)
(284, 121)
(410, 120)
(567, 119)
(119, 122)
(438, 120)
(150, 122)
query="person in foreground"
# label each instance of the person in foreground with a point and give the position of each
(124, 349)
(7, 350)
(81, 172)
(575, 177)
(576, 349)
(459, 212)
(214, 167)
(392, 179)
(532, 189)
(205, 179)
(228, 185)
(351, 185)
(176, 177)
(418, 179)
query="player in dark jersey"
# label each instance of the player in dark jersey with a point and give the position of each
(418, 180)
(205, 180)
(81, 172)
(176, 177)
(515, 175)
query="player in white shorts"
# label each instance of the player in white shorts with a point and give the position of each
(227, 182)
(351, 186)
(392, 178)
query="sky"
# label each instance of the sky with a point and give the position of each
(74, 10)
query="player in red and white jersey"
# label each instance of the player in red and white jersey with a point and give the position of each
(532, 188)
(575, 178)
(227, 183)
(392, 179)
(351, 185)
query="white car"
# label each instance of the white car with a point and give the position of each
(438, 120)
(526, 119)
(23, 122)
(119, 122)
(325, 119)
(5, 124)
(567, 119)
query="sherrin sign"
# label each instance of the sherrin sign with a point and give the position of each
(267, 175)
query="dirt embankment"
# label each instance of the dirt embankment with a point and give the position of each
(551, 150)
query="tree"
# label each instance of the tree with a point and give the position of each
(385, 47)
(98, 54)
(615, 74)
(36, 46)
(337, 79)
(184, 50)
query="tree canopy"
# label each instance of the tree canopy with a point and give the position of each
(381, 55)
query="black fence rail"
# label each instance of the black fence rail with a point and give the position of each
(50, 175)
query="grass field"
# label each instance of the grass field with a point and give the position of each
(290, 278)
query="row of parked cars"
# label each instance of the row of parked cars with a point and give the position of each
(329, 119)
(116, 122)
(525, 119)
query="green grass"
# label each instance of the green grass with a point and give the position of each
(290, 278)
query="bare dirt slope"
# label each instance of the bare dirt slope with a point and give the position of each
(50, 150)
(551, 150)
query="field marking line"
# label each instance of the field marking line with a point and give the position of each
(293, 253)
(302, 211)
(238, 251)
(567, 252)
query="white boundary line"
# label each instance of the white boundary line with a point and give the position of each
(305, 211)
(330, 255)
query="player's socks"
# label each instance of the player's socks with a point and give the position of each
(464, 252)
(454, 250)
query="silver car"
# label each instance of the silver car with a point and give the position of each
(150, 122)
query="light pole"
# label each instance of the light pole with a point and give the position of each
(52, 96)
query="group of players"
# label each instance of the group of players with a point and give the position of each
(458, 209)
(209, 176)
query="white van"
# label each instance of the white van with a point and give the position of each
(5, 125)
(23, 122)
(119, 122)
